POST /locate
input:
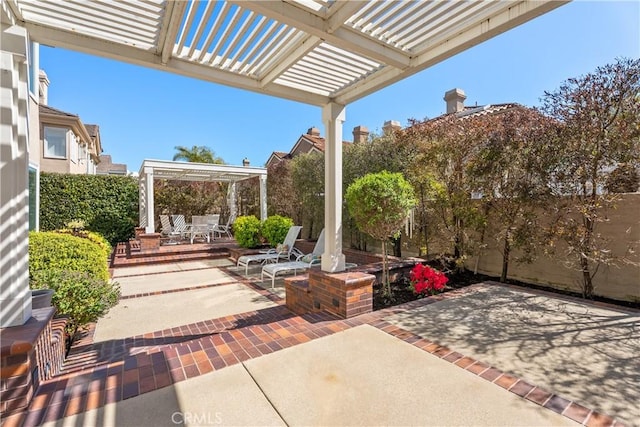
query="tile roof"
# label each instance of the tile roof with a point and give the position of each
(93, 130)
(45, 109)
(479, 110)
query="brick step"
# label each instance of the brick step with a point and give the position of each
(102, 354)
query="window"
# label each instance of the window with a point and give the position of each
(73, 149)
(55, 142)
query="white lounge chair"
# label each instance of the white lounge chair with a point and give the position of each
(283, 251)
(180, 225)
(302, 262)
(168, 231)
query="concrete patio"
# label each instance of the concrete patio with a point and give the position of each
(482, 355)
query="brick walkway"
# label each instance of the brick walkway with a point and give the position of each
(108, 372)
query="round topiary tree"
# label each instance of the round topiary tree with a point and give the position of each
(380, 203)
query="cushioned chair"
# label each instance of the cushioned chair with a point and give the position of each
(282, 251)
(301, 263)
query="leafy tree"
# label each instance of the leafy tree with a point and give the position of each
(599, 116)
(511, 171)
(446, 147)
(307, 174)
(197, 154)
(189, 198)
(380, 153)
(379, 204)
(280, 193)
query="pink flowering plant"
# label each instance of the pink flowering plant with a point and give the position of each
(426, 280)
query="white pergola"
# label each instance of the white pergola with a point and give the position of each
(194, 172)
(327, 53)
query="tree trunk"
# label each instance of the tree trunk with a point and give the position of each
(424, 232)
(456, 242)
(506, 251)
(587, 282)
(386, 286)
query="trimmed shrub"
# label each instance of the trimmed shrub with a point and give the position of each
(58, 251)
(107, 204)
(275, 229)
(94, 237)
(77, 295)
(246, 230)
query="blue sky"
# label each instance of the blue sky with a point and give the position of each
(144, 113)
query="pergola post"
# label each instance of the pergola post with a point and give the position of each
(142, 202)
(333, 116)
(231, 199)
(263, 197)
(148, 174)
(15, 297)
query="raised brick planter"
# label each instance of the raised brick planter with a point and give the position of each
(29, 354)
(346, 294)
(139, 231)
(149, 242)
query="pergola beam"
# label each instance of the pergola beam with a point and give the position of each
(340, 37)
(169, 29)
(94, 46)
(473, 35)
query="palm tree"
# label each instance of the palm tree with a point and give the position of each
(197, 154)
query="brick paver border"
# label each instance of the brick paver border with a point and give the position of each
(192, 350)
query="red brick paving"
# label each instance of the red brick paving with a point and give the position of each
(99, 373)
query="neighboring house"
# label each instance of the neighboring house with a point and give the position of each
(66, 144)
(312, 142)
(454, 99)
(107, 167)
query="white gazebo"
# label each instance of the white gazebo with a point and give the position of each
(327, 53)
(181, 171)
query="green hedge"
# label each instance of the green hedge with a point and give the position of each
(107, 204)
(56, 251)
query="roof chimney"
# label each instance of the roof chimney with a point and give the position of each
(314, 131)
(43, 88)
(360, 134)
(455, 100)
(245, 162)
(391, 126)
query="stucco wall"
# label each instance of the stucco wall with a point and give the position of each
(620, 283)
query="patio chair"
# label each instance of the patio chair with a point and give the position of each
(302, 262)
(168, 231)
(180, 225)
(282, 251)
(212, 221)
(224, 229)
(199, 228)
